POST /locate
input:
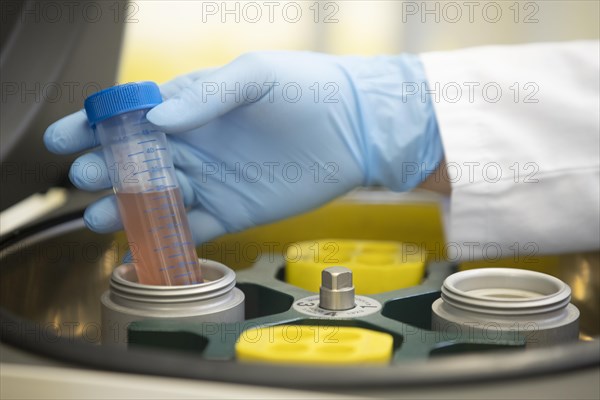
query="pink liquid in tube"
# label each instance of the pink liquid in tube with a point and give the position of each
(159, 238)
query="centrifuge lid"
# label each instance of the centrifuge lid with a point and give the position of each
(48, 68)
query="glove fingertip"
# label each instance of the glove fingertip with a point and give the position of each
(54, 141)
(166, 116)
(75, 178)
(185, 111)
(102, 220)
(186, 188)
(156, 116)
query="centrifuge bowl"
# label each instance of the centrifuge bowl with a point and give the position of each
(52, 276)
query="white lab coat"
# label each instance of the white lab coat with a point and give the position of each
(524, 165)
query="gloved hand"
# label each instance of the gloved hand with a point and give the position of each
(273, 134)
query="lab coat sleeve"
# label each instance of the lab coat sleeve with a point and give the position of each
(520, 127)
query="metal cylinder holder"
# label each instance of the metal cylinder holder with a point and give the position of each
(505, 304)
(215, 300)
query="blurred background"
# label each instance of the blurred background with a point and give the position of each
(51, 62)
(168, 38)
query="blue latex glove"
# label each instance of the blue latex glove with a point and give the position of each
(250, 148)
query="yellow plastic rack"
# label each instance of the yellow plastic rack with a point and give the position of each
(378, 266)
(312, 344)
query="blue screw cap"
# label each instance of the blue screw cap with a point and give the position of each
(120, 99)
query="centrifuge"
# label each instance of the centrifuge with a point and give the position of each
(353, 299)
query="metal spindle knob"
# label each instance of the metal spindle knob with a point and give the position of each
(336, 292)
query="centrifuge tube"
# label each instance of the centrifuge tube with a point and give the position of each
(143, 177)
